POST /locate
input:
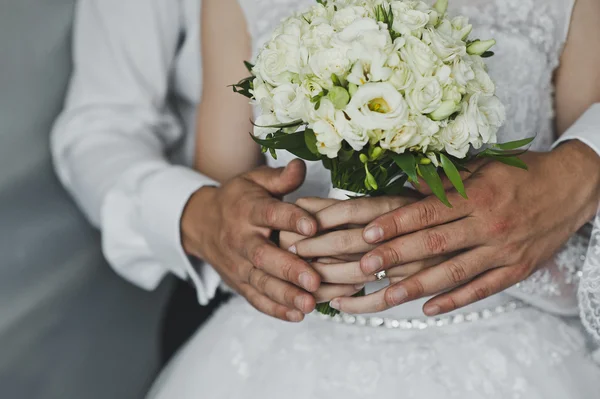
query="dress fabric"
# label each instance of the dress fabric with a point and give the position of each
(497, 348)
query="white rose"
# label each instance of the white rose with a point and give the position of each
(377, 106)
(402, 77)
(485, 116)
(427, 127)
(311, 88)
(407, 19)
(344, 17)
(452, 93)
(262, 95)
(358, 29)
(456, 138)
(444, 46)
(425, 96)
(271, 66)
(419, 57)
(444, 74)
(329, 140)
(318, 36)
(330, 61)
(462, 72)
(356, 136)
(260, 125)
(400, 139)
(290, 103)
(482, 83)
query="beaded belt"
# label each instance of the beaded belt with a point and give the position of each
(422, 323)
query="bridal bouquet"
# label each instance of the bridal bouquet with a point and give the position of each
(381, 92)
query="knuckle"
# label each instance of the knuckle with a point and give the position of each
(343, 242)
(263, 282)
(393, 256)
(418, 288)
(499, 227)
(270, 214)
(481, 291)
(482, 197)
(451, 304)
(435, 242)
(426, 215)
(289, 295)
(287, 271)
(456, 272)
(259, 255)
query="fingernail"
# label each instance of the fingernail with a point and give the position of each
(294, 316)
(374, 235)
(359, 287)
(299, 303)
(372, 264)
(293, 250)
(431, 310)
(399, 295)
(335, 304)
(306, 281)
(304, 227)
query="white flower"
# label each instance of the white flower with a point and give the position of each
(311, 88)
(459, 28)
(400, 139)
(462, 71)
(318, 37)
(290, 103)
(370, 68)
(346, 16)
(445, 47)
(444, 74)
(427, 127)
(456, 138)
(272, 67)
(262, 95)
(356, 136)
(329, 61)
(377, 106)
(358, 30)
(485, 116)
(329, 140)
(260, 125)
(419, 57)
(408, 19)
(482, 83)
(402, 77)
(425, 96)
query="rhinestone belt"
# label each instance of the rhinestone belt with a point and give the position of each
(422, 323)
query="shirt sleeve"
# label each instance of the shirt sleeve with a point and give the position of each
(110, 142)
(586, 129)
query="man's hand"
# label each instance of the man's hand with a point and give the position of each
(229, 227)
(512, 222)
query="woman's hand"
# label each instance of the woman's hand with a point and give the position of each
(512, 222)
(229, 227)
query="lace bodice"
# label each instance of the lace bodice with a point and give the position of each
(530, 36)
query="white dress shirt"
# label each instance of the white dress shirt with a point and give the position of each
(124, 142)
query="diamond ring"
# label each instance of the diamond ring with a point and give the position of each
(381, 275)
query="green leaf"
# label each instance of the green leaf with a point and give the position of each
(249, 66)
(512, 161)
(431, 177)
(311, 141)
(345, 155)
(513, 145)
(408, 164)
(283, 142)
(453, 175)
(283, 125)
(304, 153)
(487, 54)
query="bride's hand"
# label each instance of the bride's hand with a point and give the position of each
(512, 222)
(229, 227)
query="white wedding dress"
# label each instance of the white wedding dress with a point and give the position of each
(518, 344)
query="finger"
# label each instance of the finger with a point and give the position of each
(488, 284)
(342, 273)
(408, 269)
(418, 216)
(315, 204)
(339, 242)
(327, 292)
(280, 181)
(281, 264)
(472, 167)
(359, 211)
(278, 215)
(287, 239)
(422, 245)
(267, 306)
(281, 292)
(450, 274)
(372, 303)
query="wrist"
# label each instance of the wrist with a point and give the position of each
(580, 165)
(196, 217)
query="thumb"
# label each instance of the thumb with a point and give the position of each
(473, 168)
(280, 181)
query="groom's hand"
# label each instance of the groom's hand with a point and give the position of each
(229, 227)
(512, 222)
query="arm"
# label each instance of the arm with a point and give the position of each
(109, 143)
(224, 148)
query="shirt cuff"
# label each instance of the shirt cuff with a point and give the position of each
(164, 198)
(586, 129)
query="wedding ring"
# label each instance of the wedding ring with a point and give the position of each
(381, 275)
